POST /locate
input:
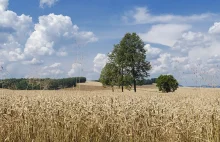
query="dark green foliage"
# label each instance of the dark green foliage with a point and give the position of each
(167, 83)
(40, 84)
(95, 80)
(146, 81)
(130, 57)
(110, 75)
(53, 85)
(22, 85)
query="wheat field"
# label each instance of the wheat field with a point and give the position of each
(188, 115)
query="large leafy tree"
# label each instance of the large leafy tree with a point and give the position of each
(130, 57)
(167, 83)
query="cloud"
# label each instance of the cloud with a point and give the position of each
(3, 5)
(15, 27)
(168, 63)
(204, 53)
(193, 60)
(55, 65)
(90, 72)
(75, 70)
(34, 61)
(52, 71)
(152, 52)
(99, 62)
(11, 51)
(215, 29)
(13, 34)
(16, 55)
(190, 51)
(54, 31)
(165, 34)
(215, 59)
(1, 66)
(141, 15)
(62, 52)
(56, 72)
(23, 43)
(191, 40)
(48, 3)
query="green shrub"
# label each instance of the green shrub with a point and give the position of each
(167, 83)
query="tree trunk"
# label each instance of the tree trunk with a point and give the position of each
(112, 88)
(122, 86)
(134, 85)
(134, 79)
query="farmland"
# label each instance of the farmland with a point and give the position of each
(189, 114)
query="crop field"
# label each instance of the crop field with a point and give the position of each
(188, 115)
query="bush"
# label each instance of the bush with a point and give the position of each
(167, 83)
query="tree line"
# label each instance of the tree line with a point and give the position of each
(141, 82)
(147, 81)
(40, 84)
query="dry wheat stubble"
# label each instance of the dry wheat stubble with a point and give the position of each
(65, 115)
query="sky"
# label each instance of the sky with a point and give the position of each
(67, 38)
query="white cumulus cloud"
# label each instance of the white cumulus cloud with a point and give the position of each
(52, 32)
(198, 64)
(152, 52)
(75, 70)
(191, 40)
(3, 5)
(99, 61)
(55, 65)
(141, 15)
(165, 34)
(48, 3)
(215, 29)
(34, 61)
(14, 30)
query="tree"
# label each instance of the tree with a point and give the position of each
(120, 63)
(110, 75)
(167, 83)
(130, 56)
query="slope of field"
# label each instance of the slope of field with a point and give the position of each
(92, 86)
(91, 83)
(103, 116)
(88, 86)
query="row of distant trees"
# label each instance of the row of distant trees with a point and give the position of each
(147, 81)
(40, 84)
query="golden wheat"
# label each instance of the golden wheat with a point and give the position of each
(102, 116)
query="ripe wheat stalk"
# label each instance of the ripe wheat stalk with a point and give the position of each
(102, 116)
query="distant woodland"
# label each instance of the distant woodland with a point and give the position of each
(40, 84)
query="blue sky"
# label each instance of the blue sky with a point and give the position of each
(39, 38)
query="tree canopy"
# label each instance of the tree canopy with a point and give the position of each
(129, 56)
(167, 83)
(109, 75)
